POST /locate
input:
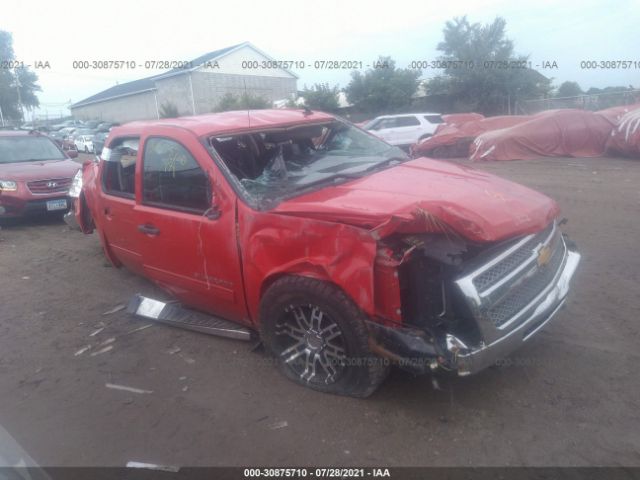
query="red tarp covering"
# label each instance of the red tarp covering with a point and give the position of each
(615, 114)
(625, 137)
(554, 133)
(460, 118)
(457, 119)
(454, 140)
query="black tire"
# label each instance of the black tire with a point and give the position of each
(339, 340)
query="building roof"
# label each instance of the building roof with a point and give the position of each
(148, 84)
(228, 122)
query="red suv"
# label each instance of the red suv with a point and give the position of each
(344, 254)
(35, 174)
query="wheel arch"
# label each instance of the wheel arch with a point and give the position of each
(315, 272)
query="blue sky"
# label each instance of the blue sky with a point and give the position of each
(566, 32)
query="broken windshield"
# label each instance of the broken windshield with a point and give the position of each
(271, 165)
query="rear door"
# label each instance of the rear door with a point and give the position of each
(407, 130)
(433, 121)
(187, 246)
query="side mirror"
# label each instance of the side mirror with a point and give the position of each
(72, 153)
(213, 213)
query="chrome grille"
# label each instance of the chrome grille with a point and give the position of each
(502, 292)
(52, 185)
(494, 274)
(519, 297)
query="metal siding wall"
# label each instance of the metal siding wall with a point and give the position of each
(141, 106)
(209, 88)
(175, 90)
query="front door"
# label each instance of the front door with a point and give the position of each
(117, 201)
(189, 247)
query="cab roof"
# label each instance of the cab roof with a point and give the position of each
(228, 122)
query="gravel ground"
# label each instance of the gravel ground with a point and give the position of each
(571, 396)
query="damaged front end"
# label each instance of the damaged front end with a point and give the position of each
(446, 303)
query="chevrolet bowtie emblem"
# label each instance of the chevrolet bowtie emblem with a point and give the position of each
(544, 255)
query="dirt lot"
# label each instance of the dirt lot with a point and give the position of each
(569, 397)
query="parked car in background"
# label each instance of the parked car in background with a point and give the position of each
(35, 174)
(406, 129)
(67, 124)
(84, 141)
(106, 126)
(57, 137)
(67, 138)
(341, 251)
(98, 141)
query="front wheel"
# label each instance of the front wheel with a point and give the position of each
(319, 338)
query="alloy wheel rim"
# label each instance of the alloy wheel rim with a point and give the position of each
(311, 344)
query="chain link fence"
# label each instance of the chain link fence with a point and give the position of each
(594, 102)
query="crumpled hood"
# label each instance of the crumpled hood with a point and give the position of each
(38, 170)
(425, 195)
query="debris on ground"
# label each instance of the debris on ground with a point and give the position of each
(95, 332)
(144, 327)
(153, 466)
(82, 350)
(189, 360)
(124, 388)
(279, 425)
(104, 350)
(173, 350)
(115, 309)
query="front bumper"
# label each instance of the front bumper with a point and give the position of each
(14, 206)
(471, 360)
(415, 350)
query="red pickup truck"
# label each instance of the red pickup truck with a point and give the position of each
(343, 253)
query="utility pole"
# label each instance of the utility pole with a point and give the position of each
(18, 85)
(1, 116)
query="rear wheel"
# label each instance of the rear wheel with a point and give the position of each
(319, 338)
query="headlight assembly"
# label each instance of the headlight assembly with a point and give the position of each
(8, 186)
(76, 185)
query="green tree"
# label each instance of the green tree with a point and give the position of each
(483, 73)
(18, 86)
(169, 110)
(384, 88)
(246, 101)
(321, 97)
(569, 89)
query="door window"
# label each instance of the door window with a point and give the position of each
(406, 122)
(120, 167)
(173, 179)
(433, 118)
